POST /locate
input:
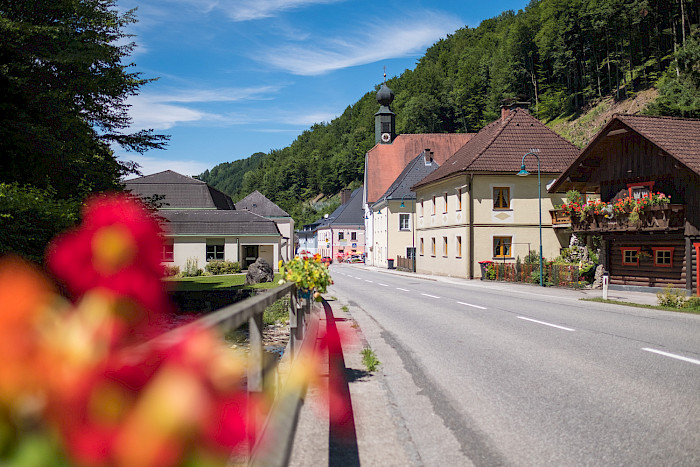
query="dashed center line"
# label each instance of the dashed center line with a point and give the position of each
(367, 280)
(431, 296)
(383, 285)
(403, 290)
(671, 355)
(546, 324)
(475, 306)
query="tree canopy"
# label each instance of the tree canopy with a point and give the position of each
(64, 82)
(63, 89)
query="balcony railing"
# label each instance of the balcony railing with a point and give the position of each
(652, 218)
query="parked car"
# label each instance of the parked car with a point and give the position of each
(327, 260)
(357, 259)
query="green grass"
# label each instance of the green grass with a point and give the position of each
(200, 283)
(369, 359)
(278, 312)
(640, 305)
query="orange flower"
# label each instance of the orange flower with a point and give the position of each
(24, 294)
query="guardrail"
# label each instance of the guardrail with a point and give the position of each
(279, 427)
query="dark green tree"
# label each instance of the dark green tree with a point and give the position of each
(64, 81)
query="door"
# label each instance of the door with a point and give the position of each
(250, 254)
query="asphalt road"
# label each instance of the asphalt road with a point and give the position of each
(494, 374)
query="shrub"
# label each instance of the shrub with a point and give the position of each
(223, 267)
(192, 268)
(533, 257)
(671, 297)
(692, 303)
(172, 270)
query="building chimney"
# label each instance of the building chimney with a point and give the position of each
(344, 195)
(512, 104)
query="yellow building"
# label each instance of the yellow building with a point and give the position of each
(475, 208)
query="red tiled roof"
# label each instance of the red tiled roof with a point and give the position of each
(385, 162)
(679, 137)
(500, 146)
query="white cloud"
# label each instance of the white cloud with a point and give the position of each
(246, 10)
(369, 44)
(161, 112)
(151, 165)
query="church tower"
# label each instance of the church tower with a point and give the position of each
(384, 119)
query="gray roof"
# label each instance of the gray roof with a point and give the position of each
(259, 204)
(350, 213)
(217, 222)
(414, 172)
(180, 191)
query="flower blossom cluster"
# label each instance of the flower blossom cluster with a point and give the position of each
(616, 207)
(87, 370)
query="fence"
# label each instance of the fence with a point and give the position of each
(406, 264)
(558, 275)
(280, 424)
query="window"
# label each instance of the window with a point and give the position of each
(168, 252)
(215, 252)
(341, 235)
(663, 257)
(421, 207)
(459, 199)
(410, 252)
(459, 246)
(444, 197)
(433, 247)
(444, 246)
(640, 190)
(422, 250)
(353, 235)
(501, 197)
(501, 247)
(434, 203)
(404, 222)
(630, 256)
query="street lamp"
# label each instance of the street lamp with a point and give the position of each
(524, 173)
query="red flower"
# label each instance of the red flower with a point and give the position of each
(117, 247)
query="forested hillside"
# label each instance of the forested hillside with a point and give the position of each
(562, 55)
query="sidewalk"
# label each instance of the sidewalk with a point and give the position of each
(377, 437)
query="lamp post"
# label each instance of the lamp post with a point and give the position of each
(524, 173)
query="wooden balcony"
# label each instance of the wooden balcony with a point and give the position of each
(653, 218)
(560, 219)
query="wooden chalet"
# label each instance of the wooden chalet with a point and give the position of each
(635, 157)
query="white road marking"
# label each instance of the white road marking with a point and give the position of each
(431, 296)
(367, 280)
(678, 357)
(403, 290)
(546, 324)
(383, 285)
(475, 306)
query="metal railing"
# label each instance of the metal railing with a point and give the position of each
(280, 424)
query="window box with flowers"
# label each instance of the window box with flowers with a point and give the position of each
(652, 212)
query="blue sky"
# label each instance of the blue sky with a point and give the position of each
(243, 76)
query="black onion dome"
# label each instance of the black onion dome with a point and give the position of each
(385, 96)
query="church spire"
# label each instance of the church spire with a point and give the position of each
(384, 119)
